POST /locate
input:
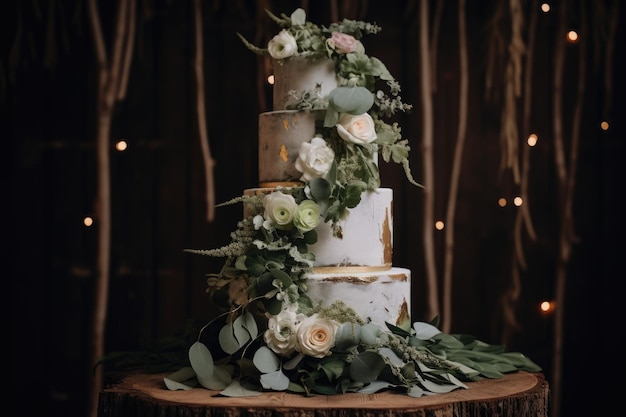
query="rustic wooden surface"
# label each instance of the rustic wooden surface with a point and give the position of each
(518, 394)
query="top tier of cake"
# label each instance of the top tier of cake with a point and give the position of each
(282, 131)
(299, 74)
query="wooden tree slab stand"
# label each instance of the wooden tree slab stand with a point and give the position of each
(519, 394)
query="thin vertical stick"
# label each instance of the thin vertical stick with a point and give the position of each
(203, 136)
(429, 175)
(456, 171)
(112, 74)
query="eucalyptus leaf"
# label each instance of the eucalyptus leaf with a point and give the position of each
(236, 390)
(320, 189)
(249, 323)
(233, 336)
(183, 379)
(456, 381)
(353, 100)
(293, 362)
(183, 374)
(201, 360)
(391, 357)
(438, 388)
(366, 366)
(276, 381)
(375, 386)
(370, 333)
(298, 17)
(425, 331)
(347, 336)
(265, 360)
(180, 386)
(332, 366)
(415, 391)
(220, 379)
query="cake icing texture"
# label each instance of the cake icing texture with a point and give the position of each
(312, 303)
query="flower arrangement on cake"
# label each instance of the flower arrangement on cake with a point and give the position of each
(271, 335)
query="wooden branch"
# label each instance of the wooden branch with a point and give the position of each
(265, 67)
(561, 171)
(434, 42)
(456, 171)
(96, 31)
(523, 222)
(108, 80)
(203, 135)
(608, 57)
(128, 47)
(428, 169)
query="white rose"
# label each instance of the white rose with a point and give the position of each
(279, 209)
(357, 129)
(316, 336)
(280, 335)
(283, 45)
(314, 159)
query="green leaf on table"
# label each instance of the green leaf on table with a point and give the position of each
(375, 386)
(233, 336)
(276, 381)
(201, 360)
(236, 390)
(183, 379)
(425, 331)
(438, 388)
(266, 360)
(366, 366)
(220, 379)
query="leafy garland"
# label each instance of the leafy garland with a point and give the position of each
(271, 335)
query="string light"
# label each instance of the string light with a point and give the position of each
(572, 36)
(518, 201)
(545, 7)
(270, 79)
(88, 221)
(547, 306)
(121, 145)
(604, 125)
(502, 202)
(532, 139)
(439, 225)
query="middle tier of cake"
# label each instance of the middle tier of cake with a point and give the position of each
(366, 233)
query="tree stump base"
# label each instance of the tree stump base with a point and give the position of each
(520, 394)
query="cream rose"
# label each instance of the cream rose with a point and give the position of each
(307, 217)
(279, 209)
(357, 129)
(314, 159)
(342, 43)
(283, 45)
(316, 336)
(280, 335)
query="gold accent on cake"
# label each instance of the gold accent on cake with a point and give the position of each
(387, 239)
(351, 269)
(273, 185)
(404, 318)
(284, 154)
(286, 124)
(398, 277)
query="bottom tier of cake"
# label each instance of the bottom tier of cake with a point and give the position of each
(378, 296)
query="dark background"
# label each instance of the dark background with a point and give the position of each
(48, 101)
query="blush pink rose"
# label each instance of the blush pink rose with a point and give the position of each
(343, 43)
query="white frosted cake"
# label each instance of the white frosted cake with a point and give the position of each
(311, 300)
(353, 265)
